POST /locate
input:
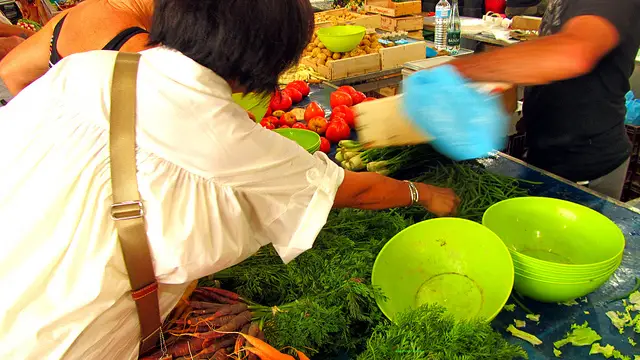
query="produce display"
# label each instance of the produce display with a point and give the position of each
(335, 18)
(300, 73)
(332, 130)
(323, 301)
(320, 55)
(29, 25)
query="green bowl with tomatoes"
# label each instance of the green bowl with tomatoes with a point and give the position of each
(308, 139)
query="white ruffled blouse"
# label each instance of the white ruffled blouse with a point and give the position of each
(215, 185)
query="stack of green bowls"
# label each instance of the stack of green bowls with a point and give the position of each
(308, 139)
(561, 250)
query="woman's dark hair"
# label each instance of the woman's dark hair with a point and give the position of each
(249, 42)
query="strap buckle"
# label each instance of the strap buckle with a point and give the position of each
(127, 210)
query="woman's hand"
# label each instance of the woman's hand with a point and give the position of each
(373, 191)
(439, 201)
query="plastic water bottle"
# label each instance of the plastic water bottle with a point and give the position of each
(443, 8)
(453, 30)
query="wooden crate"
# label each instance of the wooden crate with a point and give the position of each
(393, 9)
(407, 23)
(417, 35)
(396, 56)
(371, 21)
(345, 68)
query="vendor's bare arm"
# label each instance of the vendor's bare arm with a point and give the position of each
(373, 191)
(572, 52)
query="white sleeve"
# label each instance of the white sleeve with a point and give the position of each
(287, 191)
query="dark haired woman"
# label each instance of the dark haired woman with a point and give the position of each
(215, 185)
(91, 25)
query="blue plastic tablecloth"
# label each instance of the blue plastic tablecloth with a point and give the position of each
(556, 320)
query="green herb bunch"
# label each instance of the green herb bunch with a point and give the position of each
(430, 333)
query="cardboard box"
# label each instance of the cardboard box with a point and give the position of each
(393, 9)
(371, 21)
(407, 23)
(526, 23)
(345, 68)
(396, 56)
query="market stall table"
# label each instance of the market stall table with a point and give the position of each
(556, 320)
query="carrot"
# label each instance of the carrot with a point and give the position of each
(221, 354)
(212, 320)
(267, 349)
(301, 355)
(269, 354)
(254, 329)
(226, 293)
(261, 335)
(200, 305)
(240, 339)
(217, 345)
(181, 348)
(231, 309)
(212, 296)
(235, 324)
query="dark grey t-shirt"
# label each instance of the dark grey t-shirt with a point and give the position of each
(522, 3)
(575, 127)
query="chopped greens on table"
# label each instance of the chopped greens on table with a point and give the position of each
(323, 302)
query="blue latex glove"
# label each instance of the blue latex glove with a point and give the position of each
(633, 109)
(465, 123)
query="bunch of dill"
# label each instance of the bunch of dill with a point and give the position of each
(324, 298)
(430, 333)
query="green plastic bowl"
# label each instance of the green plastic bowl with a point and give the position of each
(561, 278)
(341, 38)
(457, 263)
(555, 292)
(561, 275)
(255, 103)
(549, 232)
(308, 139)
(550, 268)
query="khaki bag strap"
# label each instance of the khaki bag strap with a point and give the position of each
(127, 210)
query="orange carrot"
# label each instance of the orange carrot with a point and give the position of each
(268, 354)
(301, 355)
(240, 340)
(269, 351)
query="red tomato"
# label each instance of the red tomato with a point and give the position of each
(358, 97)
(283, 127)
(269, 111)
(301, 86)
(313, 110)
(340, 98)
(267, 124)
(337, 130)
(272, 119)
(346, 113)
(294, 94)
(280, 101)
(325, 145)
(348, 89)
(369, 99)
(318, 124)
(288, 119)
(337, 116)
(300, 125)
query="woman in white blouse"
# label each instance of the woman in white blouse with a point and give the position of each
(215, 185)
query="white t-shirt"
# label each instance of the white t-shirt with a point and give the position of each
(216, 187)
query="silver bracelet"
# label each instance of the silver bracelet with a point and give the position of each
(415, 195)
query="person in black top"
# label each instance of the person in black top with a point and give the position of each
(579, 71)
(526, 7)
(90, 25)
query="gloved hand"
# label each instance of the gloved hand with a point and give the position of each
(465, 123)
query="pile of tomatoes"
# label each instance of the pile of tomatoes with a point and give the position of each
(331, 130)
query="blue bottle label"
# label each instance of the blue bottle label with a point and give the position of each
(442, 14)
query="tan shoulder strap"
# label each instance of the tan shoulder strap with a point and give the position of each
(127, 210)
